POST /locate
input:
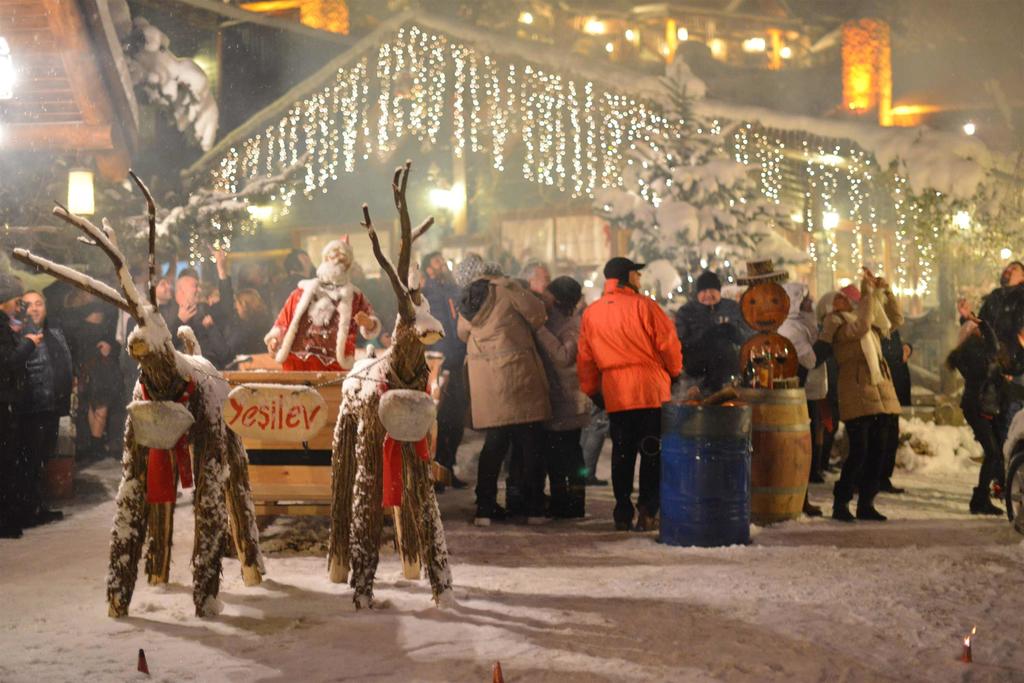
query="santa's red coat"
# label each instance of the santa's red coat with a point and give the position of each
(314, 347)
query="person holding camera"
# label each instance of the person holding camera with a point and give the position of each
(15, 350)
(45, 399)
(628, 357)
(867, 398)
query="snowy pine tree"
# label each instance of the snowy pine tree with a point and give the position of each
(686, 199)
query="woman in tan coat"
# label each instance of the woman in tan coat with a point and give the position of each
(867, 398)
(508, 388)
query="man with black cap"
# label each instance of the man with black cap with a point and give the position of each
(15, 350)
(628, 357)
(712, 331)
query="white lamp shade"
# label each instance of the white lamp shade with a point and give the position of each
(81, 199)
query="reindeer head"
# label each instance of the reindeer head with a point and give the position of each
(415, 324)
(151, 338)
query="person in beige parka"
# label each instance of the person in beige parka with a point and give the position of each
(508, 388)
(867, 397)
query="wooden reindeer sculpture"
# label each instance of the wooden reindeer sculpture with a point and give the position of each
(178, 401)
(369, 459)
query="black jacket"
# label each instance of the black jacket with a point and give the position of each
(443, 298)
(985, 387)
(711, 337)
(48, 375)
(211, 339)
(892, 351)
(14, 351)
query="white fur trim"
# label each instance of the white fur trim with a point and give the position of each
(308, 288)
(344, 321)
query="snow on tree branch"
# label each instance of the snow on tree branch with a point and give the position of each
(687, 200)
(173, 82)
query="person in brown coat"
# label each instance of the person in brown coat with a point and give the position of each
(867, 397)
(508, 388)
(559, 341)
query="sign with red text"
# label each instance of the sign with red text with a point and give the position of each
(275, 412)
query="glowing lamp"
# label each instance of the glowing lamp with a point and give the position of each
(786, 52)
(260, 212)
(830, 220)
(717, 47)
(81, 196)
(525, 18)
(970, 128)
(630, 35)
(1005, 253)
(609, 47)
(452, 199)
(682, 34)
(797, 217)
(962, 220)
(595, 27)
(756, 44)
(6, 71)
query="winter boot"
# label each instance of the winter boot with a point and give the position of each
(645, 521)
(887, 487)
(487, 514)
(811, 510)
(866, 511)
(841, 512)
(981, 504)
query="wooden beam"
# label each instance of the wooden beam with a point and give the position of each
(60, 136)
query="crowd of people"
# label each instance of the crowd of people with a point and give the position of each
(545, 376)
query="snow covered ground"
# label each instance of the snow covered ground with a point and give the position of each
(812, 600)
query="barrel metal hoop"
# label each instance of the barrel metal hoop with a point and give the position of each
(781, 428)
(779, 490)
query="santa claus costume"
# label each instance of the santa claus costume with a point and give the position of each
(316, 328)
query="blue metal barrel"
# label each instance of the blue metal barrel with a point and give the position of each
(705, 475)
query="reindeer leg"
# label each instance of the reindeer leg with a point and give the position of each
(435, 547)
(158, 549)
(343, 475)
(367, 514)
(129, 532)
(241, 511)
(407, 527)
(211, 519)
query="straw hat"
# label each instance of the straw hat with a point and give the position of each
(762, 271)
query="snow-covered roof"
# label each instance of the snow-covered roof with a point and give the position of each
(952, 164)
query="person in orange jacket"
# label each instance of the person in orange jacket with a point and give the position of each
(629, 355)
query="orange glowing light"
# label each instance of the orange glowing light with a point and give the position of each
(867, 68)
(326, 15)
(911, 114)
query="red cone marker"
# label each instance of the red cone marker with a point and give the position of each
(143, 667)
(496, 675)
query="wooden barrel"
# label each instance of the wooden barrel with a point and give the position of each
(705, 475)
(781, 459)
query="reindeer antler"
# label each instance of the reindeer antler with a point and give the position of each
(400, 277)
(398, 189)
(128, 300)
(151, 215)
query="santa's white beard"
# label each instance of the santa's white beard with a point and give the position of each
(332, 273)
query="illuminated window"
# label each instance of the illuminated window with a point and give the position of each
(6, 71)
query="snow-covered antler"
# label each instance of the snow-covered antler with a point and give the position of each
(129, 300)
(408, 294)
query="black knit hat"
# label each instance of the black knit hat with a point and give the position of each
(567, 292)
(708, 280)
(620, 267)
(10, 287)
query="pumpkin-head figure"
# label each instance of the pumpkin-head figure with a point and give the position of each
(765, 306)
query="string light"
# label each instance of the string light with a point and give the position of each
(576, 135)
